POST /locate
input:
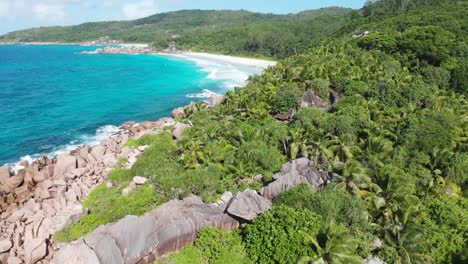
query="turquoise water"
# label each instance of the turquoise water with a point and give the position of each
(54, 98)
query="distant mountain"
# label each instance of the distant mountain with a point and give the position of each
(194, 27)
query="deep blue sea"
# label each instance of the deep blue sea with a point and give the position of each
(53, 98)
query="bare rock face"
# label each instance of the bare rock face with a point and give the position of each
(98, 152)
(294, 173)
(77, 252)
(5, 174)
(5, 245)
(64, 165)
(178, 130)
(216, 99)
(287, 116)
(248, 204)
(132, 239)
(34, 250)
(178, 112)
(310, 99)
(138, 180)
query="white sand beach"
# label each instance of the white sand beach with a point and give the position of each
(249, 62)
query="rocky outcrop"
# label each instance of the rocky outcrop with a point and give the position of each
(44, 196)
(248, 204)
(287, 116)
(179, 130)
(166, 229)
(294, 173)
(178, 112)
(310, 99)
(175, 224)
(122, 50)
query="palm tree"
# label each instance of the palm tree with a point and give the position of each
(356, 180)
(408, 239)
(333, 245)
(342, 150)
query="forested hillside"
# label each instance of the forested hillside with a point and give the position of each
(229, 32)
(389, 124)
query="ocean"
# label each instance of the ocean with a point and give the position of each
(53, 98)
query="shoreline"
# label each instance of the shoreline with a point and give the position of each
(244, 60)
(48, 192)
(196, 57)
(240, 61)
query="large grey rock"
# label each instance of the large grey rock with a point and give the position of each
(76, 253)
(310, 99)
(164, 230)
(294, 173)
(248, 205)
(178, 130)
(105, 248)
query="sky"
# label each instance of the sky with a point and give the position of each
(22, 14)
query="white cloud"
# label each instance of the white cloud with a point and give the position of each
(140, 9)
(51, 12)
(110, 3)
(46, 10)
(6, 9)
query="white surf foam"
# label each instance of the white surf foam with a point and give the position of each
(101, 134)
(229, 74)
(204, 94)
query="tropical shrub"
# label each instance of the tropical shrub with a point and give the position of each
(286, 98)
(279, 235)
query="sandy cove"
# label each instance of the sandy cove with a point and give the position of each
(249, 62)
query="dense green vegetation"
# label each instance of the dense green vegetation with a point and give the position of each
(396, 144)
(228, 32)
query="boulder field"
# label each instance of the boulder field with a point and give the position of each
(175, 225)
(46, 196)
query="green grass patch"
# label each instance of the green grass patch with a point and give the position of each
(120, 175)
(120, 162)
(107, 205)
(144, 140)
